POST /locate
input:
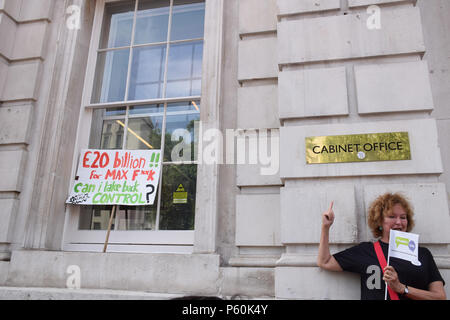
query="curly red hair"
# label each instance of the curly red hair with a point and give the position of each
(382, 206)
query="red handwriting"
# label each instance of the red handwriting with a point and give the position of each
(148, 173)
(101, 160)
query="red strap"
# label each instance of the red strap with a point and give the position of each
(382, 261)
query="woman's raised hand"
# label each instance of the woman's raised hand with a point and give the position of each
(328, 216)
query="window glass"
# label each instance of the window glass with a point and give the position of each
(115, 111)
(152, 22)
(144, 133)
(179, 184)
(112, 134)
(117, 24)
(126, 218)
(136, 218)
(188, 20)
(111, 76)
(94, 217)
(147, 73)
(184, 69)
(152, 109)
(129, 70)
(181, 116)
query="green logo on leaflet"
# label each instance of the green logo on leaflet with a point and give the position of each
(405, 241)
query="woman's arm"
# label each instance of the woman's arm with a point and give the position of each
(435, 289)
(325, 260)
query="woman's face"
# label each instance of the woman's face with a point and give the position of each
(396, 219)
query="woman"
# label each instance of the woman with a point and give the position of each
(405, 280)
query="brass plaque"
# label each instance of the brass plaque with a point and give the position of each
(358, 148)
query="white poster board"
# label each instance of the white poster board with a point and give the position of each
(116, 177)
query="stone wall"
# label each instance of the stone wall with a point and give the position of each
(298, 68)
(24, 28)
(43, 62)
(333, 75)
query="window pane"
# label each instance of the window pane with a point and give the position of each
(127, 218)
(178, 197)
(193, 106)
(110, 76)
(112, 134)
(136, 218)
(115, 112)
(144, 133)
(95, 218)
(147, 73)
(117, 25)
(187, 20)
(152, 21)
(152, 109)
(181, 116)
(184, 70)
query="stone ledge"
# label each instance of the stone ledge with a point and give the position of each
(361, 3)
(248, 282)
(47, 293)
(297, 260)
(254, 261)
(32, 293)
(164, 273)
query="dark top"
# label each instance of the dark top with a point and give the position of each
(359, 258)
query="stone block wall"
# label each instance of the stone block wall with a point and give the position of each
(303, 68)
(42, 64)
(334, 74)
(23, 29)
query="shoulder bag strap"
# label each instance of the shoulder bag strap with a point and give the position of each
(382, 261)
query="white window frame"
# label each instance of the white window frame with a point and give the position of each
(202, 240)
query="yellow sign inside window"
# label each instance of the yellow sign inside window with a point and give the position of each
(180, 196)
(358, 148)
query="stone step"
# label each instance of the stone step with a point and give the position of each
(28, 293)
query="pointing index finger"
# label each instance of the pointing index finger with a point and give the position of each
(331, 206)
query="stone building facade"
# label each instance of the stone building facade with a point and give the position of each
(291, 68)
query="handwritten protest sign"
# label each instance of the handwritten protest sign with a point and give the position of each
(126, 177)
